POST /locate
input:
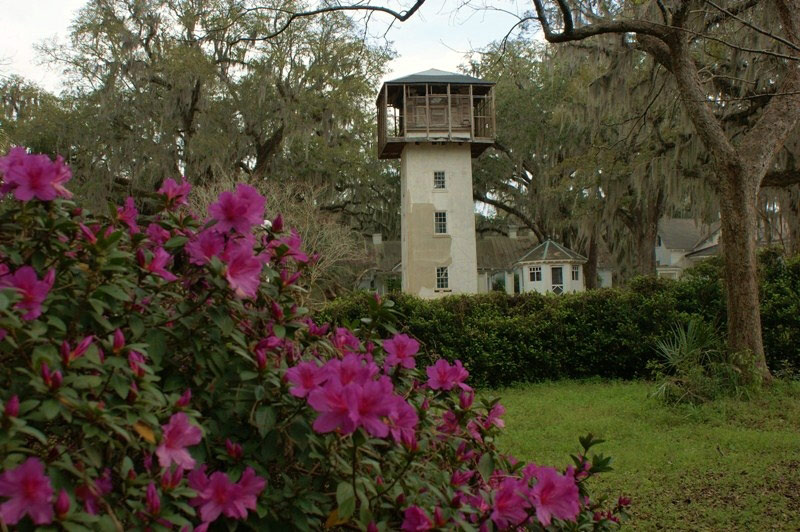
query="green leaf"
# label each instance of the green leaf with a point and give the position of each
(99, 318)
(345, 499)
(50, 409)
(264, 419)
(486, 466)
(175, 242)
(223, 321)
(115, 291)
(31, 431)
(157, 345)
(136, 325)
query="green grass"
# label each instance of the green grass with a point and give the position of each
(729, 465)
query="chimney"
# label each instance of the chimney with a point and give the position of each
(376, 238)
(512, 232)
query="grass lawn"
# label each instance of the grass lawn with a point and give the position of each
(729, 465)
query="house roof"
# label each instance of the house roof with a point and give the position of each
(439, 76)
(679, 233)
(500, 252)
(551, 251)
(709, 251)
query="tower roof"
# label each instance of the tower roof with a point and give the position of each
(551, 251)
(439, 76)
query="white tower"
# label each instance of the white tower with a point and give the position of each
(435, 122)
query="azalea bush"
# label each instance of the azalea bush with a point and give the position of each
(156, 372)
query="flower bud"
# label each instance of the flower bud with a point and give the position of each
(153, 500)
(185, 398)
(261, 359)
(11, 409)
(56, 380)
(465, 399)
(62, 504)
(277, 224)
(234, 450)
(623, 502)
(119, 342)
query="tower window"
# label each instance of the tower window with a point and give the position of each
(442, 279)
(535, 273)
(576, 272)
(438, 180)
(440, 223)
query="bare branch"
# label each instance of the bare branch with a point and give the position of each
(754, 27)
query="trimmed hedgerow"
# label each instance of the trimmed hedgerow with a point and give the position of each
(606, 333)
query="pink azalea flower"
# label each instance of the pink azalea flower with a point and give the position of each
(554, 495)
(204, 246)
(293, 250)
(243, 272)
(416, 520)
(31, 290)
(372, 402)
(239, 210)
(92, 492)
(127, 214)
(344, 340)
(401, 349)
(334, 403)
(179, 434)
(510, 502)
(305, 376)
(459, 478)
(158, 235)
(494, 417)
(158, 263)
(217, 495)
(175, 194)
(31, 176)
(403, 421)
(29, 492)
(443, 376)
(352, 368)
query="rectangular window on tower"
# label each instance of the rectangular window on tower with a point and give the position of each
(440, 223)
(535, 273)
(438, 180)
(576, 272)
(442, 279)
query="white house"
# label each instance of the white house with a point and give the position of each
(551, 267)
(511, 264)
(681, 243)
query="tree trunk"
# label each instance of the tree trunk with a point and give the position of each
(739, 222)
(646, 236)
(791, 208)
(590, 268)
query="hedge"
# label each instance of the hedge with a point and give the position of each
(607, 333)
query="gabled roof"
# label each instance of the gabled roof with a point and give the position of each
(709, 251)
(439, 76)
(500, 252)
(551, 251)
(679, 233)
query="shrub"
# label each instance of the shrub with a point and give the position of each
(696, 367)
(156, 372)
(609, 333)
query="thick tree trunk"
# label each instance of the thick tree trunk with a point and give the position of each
(791, 208)
(646, 237)
(590, 268)
(739, 221)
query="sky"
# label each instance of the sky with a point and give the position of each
(437, 36)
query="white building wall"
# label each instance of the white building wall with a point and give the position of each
(546, 284)
(422, 250)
